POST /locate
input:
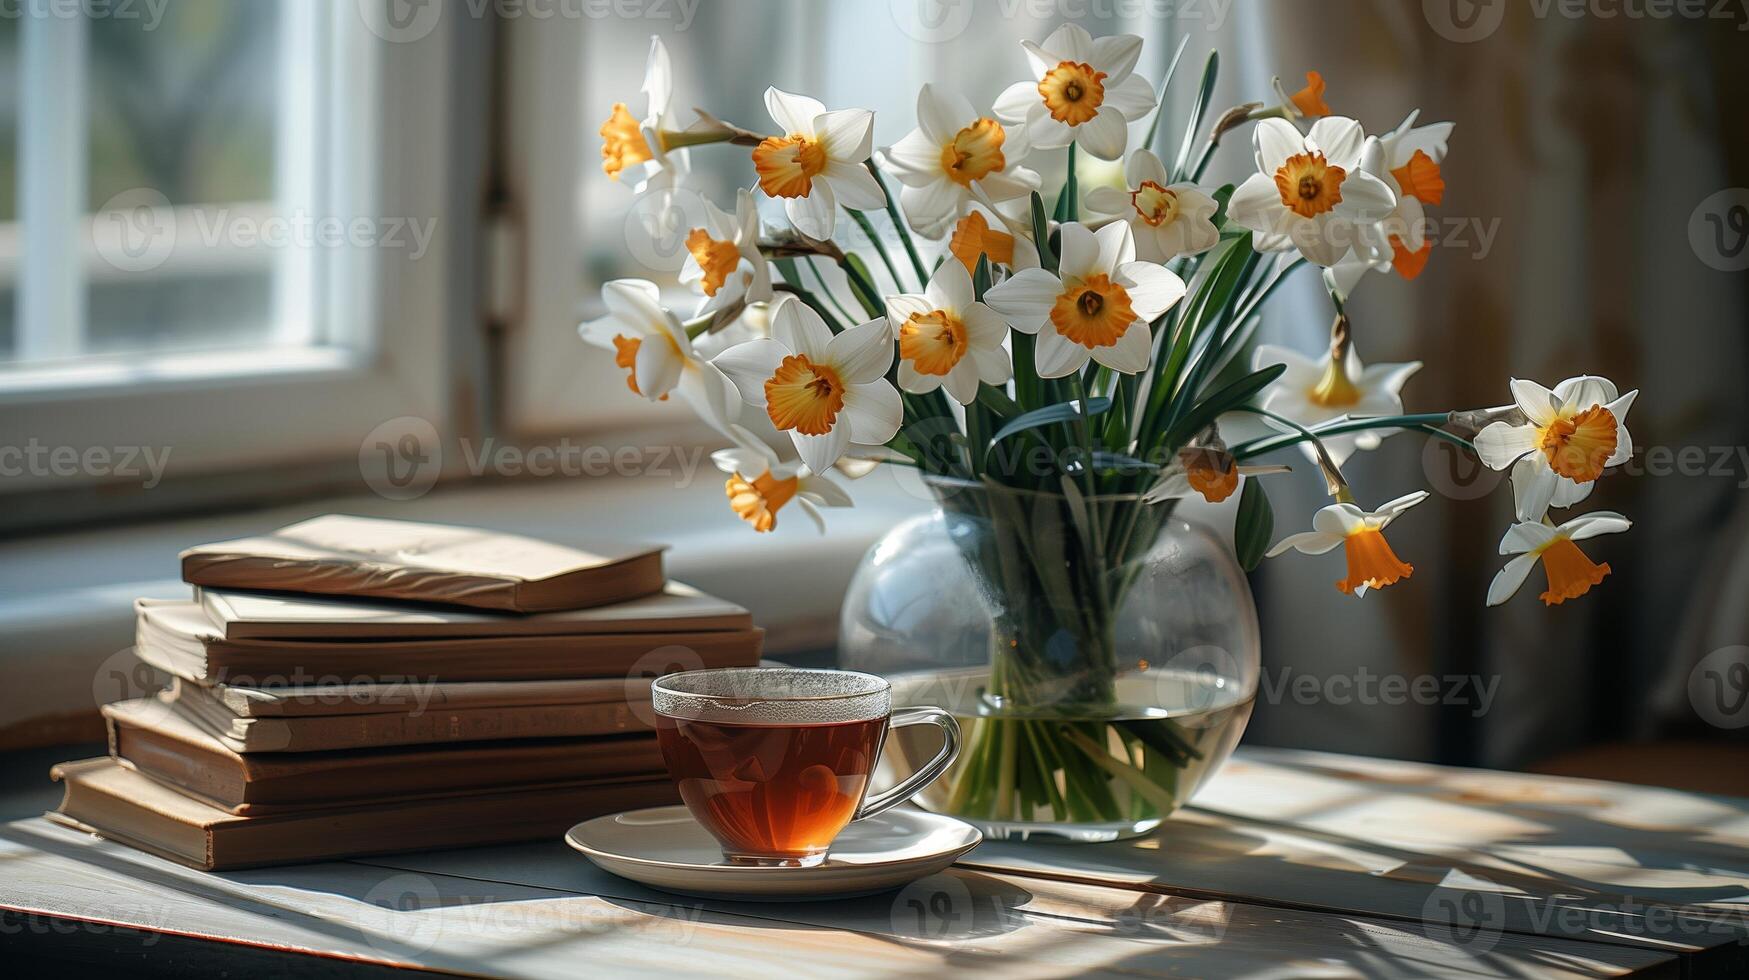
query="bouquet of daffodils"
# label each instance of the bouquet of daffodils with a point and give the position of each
(1082, 354)
(1130, 302)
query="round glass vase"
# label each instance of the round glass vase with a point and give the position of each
(1100, 654)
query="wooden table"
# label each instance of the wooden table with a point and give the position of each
(1291, 864)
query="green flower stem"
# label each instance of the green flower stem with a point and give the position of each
(880, 247)
(899, 226)
(1428, 422)
(826, 291)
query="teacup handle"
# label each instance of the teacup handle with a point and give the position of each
(903, 718)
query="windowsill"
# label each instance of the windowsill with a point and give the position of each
(66, 600)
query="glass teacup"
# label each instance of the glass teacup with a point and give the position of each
(776, 761)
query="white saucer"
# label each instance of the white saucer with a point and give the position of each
(665, 848)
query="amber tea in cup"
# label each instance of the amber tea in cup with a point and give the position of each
(775, 762)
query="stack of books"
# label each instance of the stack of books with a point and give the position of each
(349, 686)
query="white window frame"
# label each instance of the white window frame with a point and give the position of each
(380, 110)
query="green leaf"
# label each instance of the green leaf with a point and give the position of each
(1069, 201)
(1253, 526)
(1053, 414)
(1222, 400)
(1120, 463)
(862, 284)
(981, 277)
(997, 400)
(1041, 235)
(1160, 101)
(1193, 125)
(1221, 197)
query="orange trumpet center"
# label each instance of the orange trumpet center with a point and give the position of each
(804, 396)
(1578, 446)
(787, 165)
(1093, 312)
(973, 236)
(625, 355)
(1210, 472)
(1073, 92)
(933, 342)
(1155, 204)
(1409, 264)
(622, 142)
(717, 258)
(1420, 179)
(974, 152)
(1570, 573)
(1371, 562)
(1310, 100)
(1309, 184)
(758, 500)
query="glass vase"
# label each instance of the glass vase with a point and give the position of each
(1100, 654)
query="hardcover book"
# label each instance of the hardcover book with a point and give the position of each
(362, 556)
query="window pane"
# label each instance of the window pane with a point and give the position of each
(9, 233)
(182, 136)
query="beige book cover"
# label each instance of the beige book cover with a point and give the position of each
(104, 797)
(339, 554)
(247, 616)
(160, 741)
(325, 733)
(186, 641)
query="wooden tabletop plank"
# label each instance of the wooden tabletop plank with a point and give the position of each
(541, 910)
(1495, 852)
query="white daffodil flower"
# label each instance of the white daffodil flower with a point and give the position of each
(1212, 473)
(723, 260)
(947, 339)
(1371, 562)
(1570, 436)
(1084, 91)
(1570, 573)
(1168, 220)
(650, 343)
(827, 392)
(1309, 191)
(1408, 161)
(627, 141)
(818, 163)
(952, 156)
(1311, 392)
(759, 485)
(1097, 305)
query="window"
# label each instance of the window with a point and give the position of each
(205, 245)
